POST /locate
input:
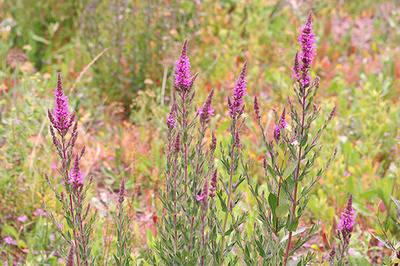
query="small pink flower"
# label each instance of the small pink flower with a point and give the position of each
(22, 218)
(61, 260)
(10, 241)
(199, 197)
(40, 212)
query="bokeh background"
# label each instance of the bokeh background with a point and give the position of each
(116, 58)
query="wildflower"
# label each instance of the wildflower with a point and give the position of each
(22, 218)
(60, 117)
(280, 126)
(296, 67)
(10, 241)
(171, 119)
(121, 192)
(177, 144)
(70, 259)
(75, 175)
(213, 144)
(40, 212)
(256, 108)
(204, 193)
(332, 254)
(213, 184)
(238, 93)
(348, 217)
(237, 138)
(206, 111)
(308, 51)
(182, 76)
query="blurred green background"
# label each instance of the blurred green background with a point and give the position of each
(123, 97)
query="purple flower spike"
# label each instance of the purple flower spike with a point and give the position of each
(183, 80)
(61, 118)
(76, 177)
(238, 93)
(213, 184)
(280, 126)
(296, 67)
(171, 118)
(306, 57)
(206, 111)
(204, 194)
(346, 224)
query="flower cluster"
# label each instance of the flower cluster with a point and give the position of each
(304, 60)
(76, 177)
(60, 117)
(204, 193)
(183, 79)
(213, 184)
(206, 111)
(236, 105)
(346, 224)
(171, 119)
(280, 126)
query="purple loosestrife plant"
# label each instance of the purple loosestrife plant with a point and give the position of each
(189, 167)
(77, 213)
(231, 157)
(288, 166)
(122, 255)
(389, 240)
(345, 228)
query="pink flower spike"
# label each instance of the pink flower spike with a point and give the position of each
(60, 117)
(183, 81)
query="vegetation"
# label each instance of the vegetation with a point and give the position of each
(275, 153)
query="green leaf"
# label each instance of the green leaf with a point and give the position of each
(273, 202)
(293, 225)
(289, 170)
(9, 231)
(281, 210)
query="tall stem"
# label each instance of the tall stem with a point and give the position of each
(294, 200)
(185, 136)
(203, 239)
(175, 209)
(81, 228)
(64, 162)
(232, 155)
(197, 173)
